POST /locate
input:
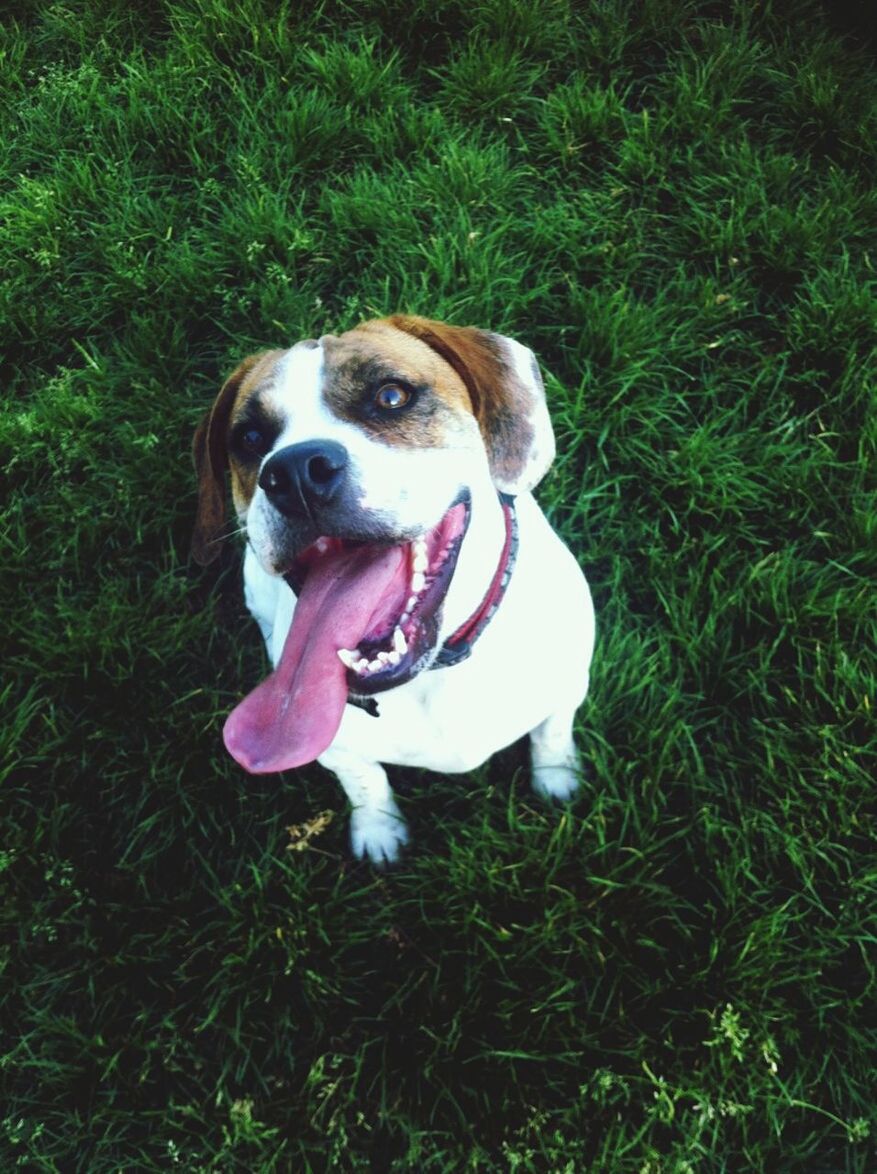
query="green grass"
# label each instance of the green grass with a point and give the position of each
(673, 204)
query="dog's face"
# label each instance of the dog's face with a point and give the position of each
(370, 436)
(366, 438)
(355, 462)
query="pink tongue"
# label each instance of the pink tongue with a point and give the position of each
(292, 716)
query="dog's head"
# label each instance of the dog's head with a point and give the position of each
(354, 463)
(367, 436)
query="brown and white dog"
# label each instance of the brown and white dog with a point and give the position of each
(417, 607)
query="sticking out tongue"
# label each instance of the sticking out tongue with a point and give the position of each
(292, 716)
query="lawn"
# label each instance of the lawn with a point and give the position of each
(673, 204)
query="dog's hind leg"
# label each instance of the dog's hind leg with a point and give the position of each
(377, 829)
(557, 770)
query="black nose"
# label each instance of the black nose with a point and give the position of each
(302, 477)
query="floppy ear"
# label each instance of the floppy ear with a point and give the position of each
(507, 395)
(211, 460)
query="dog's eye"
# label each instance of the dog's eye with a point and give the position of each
(252, 442)
(391, 397)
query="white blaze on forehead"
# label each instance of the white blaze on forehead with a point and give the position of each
(295, 394)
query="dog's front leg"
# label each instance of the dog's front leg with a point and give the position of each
(557, 769)
(377, 829)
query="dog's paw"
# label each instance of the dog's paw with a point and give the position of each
(378, 834)
(557, 783)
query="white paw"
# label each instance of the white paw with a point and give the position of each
(558, 783)
(378, 833)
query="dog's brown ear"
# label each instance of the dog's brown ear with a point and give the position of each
(211, 461)
(507, 395)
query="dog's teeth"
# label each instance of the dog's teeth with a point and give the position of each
(361, 666)
(394, 657)
(420, 561)
(350, 659)
(410, 605)
(400, 644)
(418, 582)
(404, 618)
(375, 666)
(384, 657)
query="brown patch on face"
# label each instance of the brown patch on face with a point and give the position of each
(501, 403)
(210, 452)
(359, 363)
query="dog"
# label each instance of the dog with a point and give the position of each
(416, 605)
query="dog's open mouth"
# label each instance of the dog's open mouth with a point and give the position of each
(367, 619)
(403, 626)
